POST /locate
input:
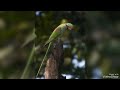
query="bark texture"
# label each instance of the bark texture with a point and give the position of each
(55, 62)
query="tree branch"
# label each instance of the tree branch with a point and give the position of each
(55, 62)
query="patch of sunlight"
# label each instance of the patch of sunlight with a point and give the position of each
(40, 78)
(66, 46)
(97, 73)
(80, 64)
(68, 76)
(75, 62)
(37, 13)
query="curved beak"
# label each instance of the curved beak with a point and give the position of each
(70, 28)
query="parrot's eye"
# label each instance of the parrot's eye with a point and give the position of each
(67, 26)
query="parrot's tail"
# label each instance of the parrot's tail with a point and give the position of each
(46, 43)
(39, 48)
(44, 58)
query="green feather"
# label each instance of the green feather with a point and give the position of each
(56, 33)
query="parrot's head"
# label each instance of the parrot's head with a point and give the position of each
(69, 26)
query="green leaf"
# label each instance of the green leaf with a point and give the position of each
(29, 38)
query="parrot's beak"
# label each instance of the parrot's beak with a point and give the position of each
(70, 28)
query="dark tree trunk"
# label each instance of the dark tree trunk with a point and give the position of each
(55, 62)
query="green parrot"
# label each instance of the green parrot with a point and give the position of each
(57, 33)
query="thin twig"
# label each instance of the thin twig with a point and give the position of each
(28, 63)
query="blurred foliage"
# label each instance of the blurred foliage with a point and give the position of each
(95, 40)
(15, 26)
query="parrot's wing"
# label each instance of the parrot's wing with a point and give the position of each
(56, 33)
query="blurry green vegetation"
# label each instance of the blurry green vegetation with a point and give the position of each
(95, 39)
(15, 26)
